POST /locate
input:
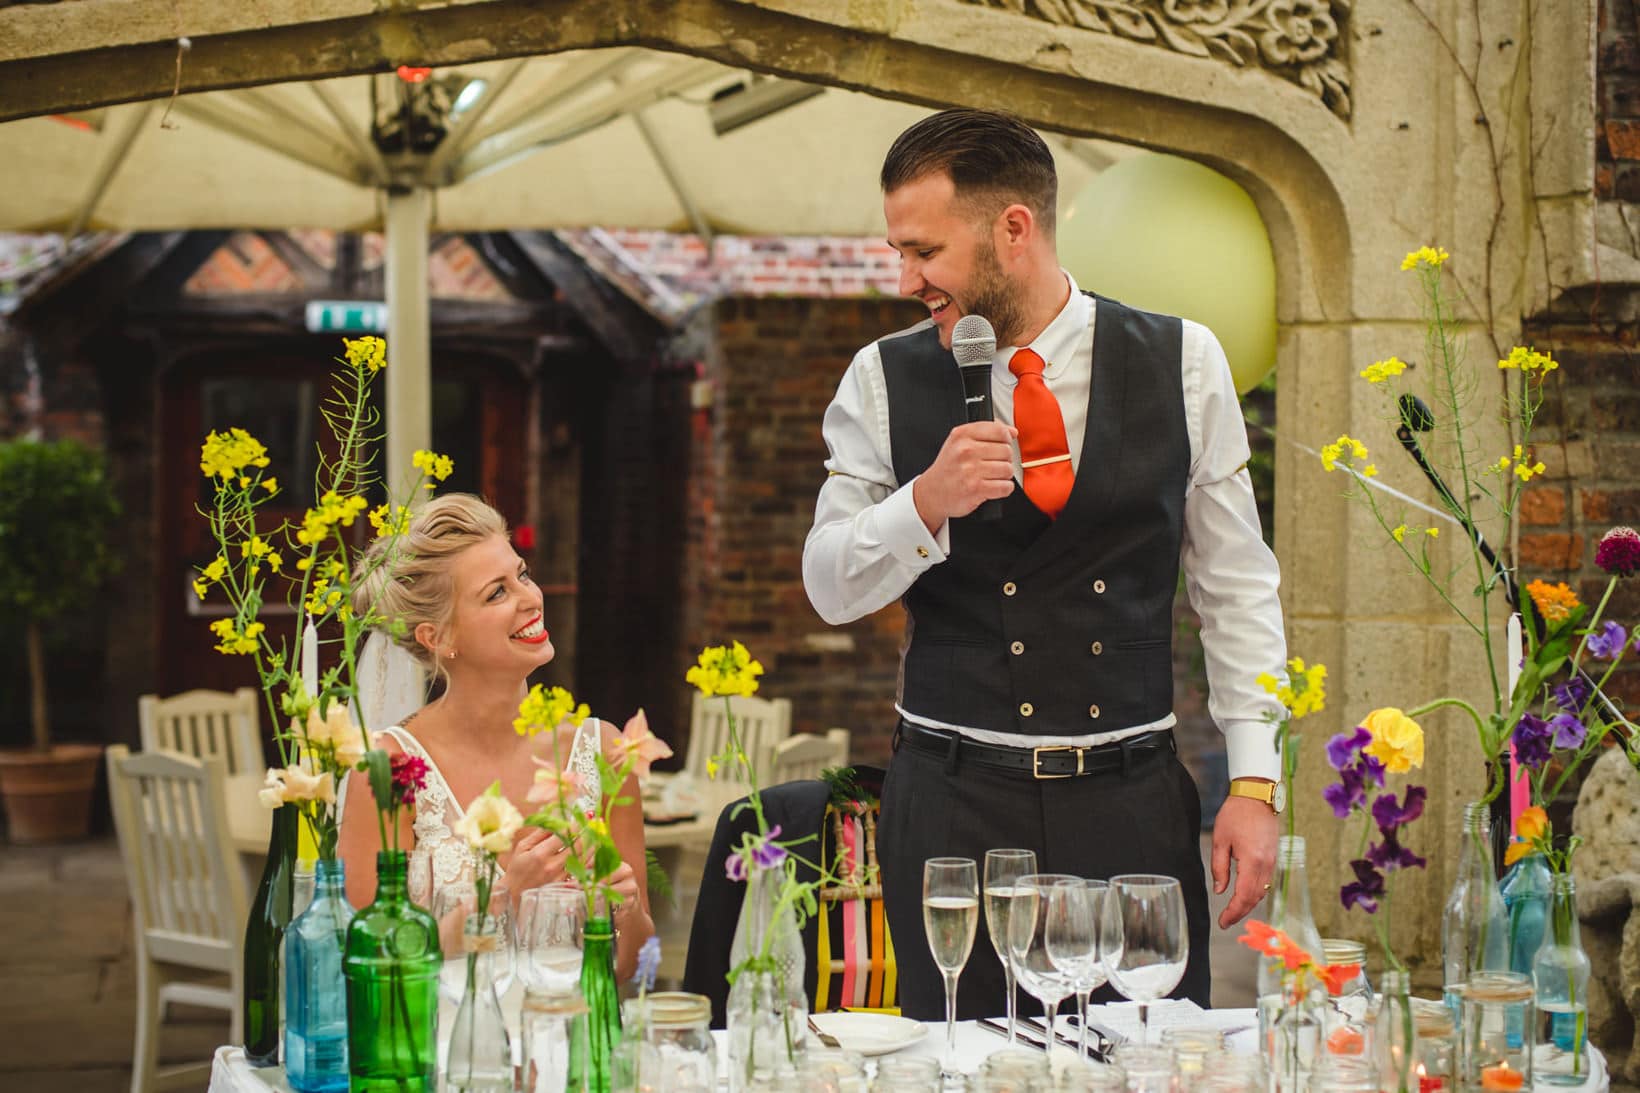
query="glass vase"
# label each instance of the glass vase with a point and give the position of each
(1286, 908)
(1394, 1035)
(480, 1058)
(667, 1044)
(264, 936)
(1474, 924)
(593, 1038)
(1346, 1026)
(1294, 1041)
(547, 1019)
(1560, 982)
(315, 990)
(767, 1012)
(392, 965)
(1489, 1005)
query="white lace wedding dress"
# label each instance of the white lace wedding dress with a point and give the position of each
(440, 856)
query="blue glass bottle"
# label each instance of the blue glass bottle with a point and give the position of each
(1525, 889)
(315, 991)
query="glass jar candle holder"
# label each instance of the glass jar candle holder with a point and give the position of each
(1346, 1025)
(1434, 1048)
(1149, 1068)
(1191, 1046)
(831, 1070)
(907, 1074)
(1012, 1070)
(1090, 1077)
(1491, 1006)
(669, 1045)
(545, 1023)
(1344, 1074)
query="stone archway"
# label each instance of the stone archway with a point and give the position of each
(1358, 136)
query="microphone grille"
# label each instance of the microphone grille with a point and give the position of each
(973, 341)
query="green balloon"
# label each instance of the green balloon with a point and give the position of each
(1168, 234)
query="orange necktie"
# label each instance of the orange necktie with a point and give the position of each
(1044, 453)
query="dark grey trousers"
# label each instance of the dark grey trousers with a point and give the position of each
(1144, 820)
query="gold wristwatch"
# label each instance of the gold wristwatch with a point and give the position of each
(1273, 794)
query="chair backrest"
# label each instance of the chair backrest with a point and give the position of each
(804, 755)
(854, 954)
(205, 724)
(187, 890)
(761, 723)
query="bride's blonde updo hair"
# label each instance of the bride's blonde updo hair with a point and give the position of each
(411, 583)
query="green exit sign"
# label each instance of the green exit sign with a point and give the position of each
(346, 317)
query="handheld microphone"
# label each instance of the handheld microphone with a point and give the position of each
(974, 343)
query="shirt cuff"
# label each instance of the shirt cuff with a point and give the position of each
(1250, 750)
(904, 533)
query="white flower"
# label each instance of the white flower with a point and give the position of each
(295, 783)
(338, 731)
(272, 793)
(490, 822)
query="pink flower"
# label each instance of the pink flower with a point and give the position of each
(1619, 552)
(409, 775)
(637, 745)
(553, 785)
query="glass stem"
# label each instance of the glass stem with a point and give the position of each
(1012, 1002)
(1144, 1024)
(950, 1064)
(1082, 1022)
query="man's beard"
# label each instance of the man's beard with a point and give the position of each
(995, 297)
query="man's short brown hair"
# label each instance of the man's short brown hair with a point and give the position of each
(994, 160)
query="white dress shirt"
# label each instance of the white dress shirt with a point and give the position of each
(868, 544)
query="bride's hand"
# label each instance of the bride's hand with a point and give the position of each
(625, 882)
(537, 859)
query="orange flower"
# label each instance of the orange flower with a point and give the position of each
(1334, 976)
(1532, 823)
(1261, 938)
(1346, 1041)
(1515, 851)
(1553, 601)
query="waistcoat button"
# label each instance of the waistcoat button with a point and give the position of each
(1026, 709)
(1093, 711)
(1098, 647)
(1018, 647)
(1009, 589)
(1099, 587)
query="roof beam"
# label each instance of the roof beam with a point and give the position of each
(110, 166)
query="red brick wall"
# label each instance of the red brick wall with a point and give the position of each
(1617, 130)
(772, 368)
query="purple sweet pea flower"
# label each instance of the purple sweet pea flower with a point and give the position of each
(735, 867)
(1532, 741)
(1390, 855)
(1346, 795)
(1343, 748)
(767, 855)
(1572, 695)
(1608, 642)
(1568, 730)
(1364, 891)
(1389, 814)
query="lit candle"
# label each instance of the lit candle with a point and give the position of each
(1427, 1084)
(1501, 1077)
(310, 659)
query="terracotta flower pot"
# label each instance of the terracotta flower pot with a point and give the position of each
(47, 795)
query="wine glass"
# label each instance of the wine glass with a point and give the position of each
(1074, 942)
(1028, 941)
(950, 913)
(548, 940)
(1003, 868)
(1150, 941)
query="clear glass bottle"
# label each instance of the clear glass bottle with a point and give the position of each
(767, 1012)
(315, 991)
(480, 1058)
(1287, 908)
(1395, 1034)
(546, 1021)
(1346, 1027)
(1474, 925)
(1560, 981)
(302, 886)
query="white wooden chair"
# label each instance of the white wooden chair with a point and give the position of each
(760, 722)
(804, 755)
(205, 724)
(187, 896)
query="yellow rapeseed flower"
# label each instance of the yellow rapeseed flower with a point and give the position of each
(271, 485)
(432, 464)
(1527, 359)
(1433, 533)
(235, 642)
(1397, 740)
(1429, 257)
(1525, 469)
(725, 671)
(1379, 371)
(1399, 533)
(1553, 601)
(366, 354)
(389, 519)
(1345, 448)
(546, 708)
(226, 455)
(1303, 693)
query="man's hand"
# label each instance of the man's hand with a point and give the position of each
(1245, 832)
(975, 465)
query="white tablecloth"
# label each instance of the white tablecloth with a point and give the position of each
(230, 1073)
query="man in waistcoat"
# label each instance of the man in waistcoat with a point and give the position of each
(1036, 680)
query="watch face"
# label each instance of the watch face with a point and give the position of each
(1279, 800)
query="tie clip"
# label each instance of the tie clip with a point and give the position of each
(1028, 464)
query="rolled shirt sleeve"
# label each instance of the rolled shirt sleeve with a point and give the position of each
(868, 544)
(1231, 576)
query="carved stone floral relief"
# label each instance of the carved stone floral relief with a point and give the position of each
(1299, 40)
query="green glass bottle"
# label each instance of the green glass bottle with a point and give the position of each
(392, 965)
(594, 1036)
(265, 936)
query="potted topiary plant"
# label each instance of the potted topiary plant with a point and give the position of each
(57, 512)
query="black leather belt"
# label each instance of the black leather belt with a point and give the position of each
(1047, 761)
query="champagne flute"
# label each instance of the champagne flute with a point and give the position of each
(1028, 942)
(1074, 912)
(1003, 868)
(550, 921)
(1145, 914)
(950, 913)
